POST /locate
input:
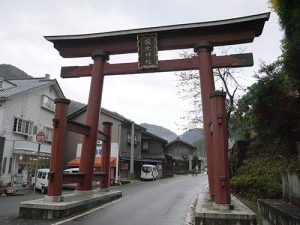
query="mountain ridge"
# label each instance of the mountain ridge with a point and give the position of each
(192, 136)
(8, 71)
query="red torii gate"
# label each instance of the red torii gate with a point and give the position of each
(200, 36)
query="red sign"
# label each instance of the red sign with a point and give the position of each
(40, 137)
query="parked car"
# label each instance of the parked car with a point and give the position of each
(41, 180)
(72, 185)
(149, 172)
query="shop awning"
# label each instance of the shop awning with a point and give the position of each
(76, 162)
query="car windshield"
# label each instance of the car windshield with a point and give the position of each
(146, 169)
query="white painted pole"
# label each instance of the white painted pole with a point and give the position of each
(117, 165)
(36, 169)
(132, 149)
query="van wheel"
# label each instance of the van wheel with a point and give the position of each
(43, 191)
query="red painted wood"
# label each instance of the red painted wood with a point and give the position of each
(87, 158)
(237, 60)
(220, 149)
(105, 157)
(57, 148)
(167, 41)
(78, 128)
(83, 129)
(207, 86)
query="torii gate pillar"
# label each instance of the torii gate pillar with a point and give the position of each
(87, 158)
(204, 49)
(220, 148)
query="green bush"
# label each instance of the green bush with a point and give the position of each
(260, 175)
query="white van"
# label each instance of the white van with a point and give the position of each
(68, 171)
(149, 172)
(41, 180)
(74, 185)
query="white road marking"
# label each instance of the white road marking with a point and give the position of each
(90, 211)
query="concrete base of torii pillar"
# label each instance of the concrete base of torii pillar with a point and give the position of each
(209, 213)
(71, 204)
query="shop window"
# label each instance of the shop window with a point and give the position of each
(48, 103)
(22, 126)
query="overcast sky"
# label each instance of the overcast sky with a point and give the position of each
(149, 98)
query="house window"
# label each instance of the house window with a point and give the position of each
(22, 126)
(10, 165)
(4, 165)
(48, 133)
(35, 128)
(145, 145)
(47, 103)
(129, 137)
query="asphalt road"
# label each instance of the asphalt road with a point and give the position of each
(161, 202)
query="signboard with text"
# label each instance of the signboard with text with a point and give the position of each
(147, 51)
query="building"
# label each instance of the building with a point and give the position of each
(121, 138)
(182, 153)
(153, 153)
(26, 107)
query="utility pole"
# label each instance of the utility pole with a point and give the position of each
(131, 172)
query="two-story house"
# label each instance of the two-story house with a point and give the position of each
(182, 153)
(153, 153)
(26, 107)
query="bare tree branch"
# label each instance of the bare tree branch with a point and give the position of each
(189, 89)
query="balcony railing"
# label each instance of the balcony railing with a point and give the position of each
(136, 143)
(126, 155)
(30, 147)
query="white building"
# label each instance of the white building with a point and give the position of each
(26, 107)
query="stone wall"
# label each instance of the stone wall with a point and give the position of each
(278, 212)
(291, 187)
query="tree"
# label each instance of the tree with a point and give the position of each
(268, 117)
(271, 108)
(289, 14)
(189, 89)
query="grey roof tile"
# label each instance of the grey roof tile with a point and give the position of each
(23, 85)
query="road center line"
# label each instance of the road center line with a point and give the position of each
(90, 211)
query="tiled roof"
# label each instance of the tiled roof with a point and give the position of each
(23, 85)
(178, 139)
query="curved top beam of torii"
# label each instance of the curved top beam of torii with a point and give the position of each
(218, 33)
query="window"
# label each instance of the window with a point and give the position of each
(22, 126)
(129, 137)
(44, 175)
(48, 133)
(48, 103)
(35, 128)
(145, 145)
(10, 165)
(4, 165)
